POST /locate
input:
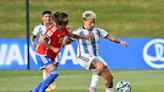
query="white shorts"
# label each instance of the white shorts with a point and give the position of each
(85, 60)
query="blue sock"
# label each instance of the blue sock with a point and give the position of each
(36, 89)
(52, 76)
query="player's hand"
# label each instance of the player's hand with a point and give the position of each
(56, 50)
(66, 41)
(34, 44)
(88, 36)
(123, 43)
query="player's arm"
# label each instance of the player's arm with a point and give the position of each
(33, 37)
(88, 36)
(34, 34)
(105, 34)
(67, 40)
(116, 40)
(43, 40)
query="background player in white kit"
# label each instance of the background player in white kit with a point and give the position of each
(88, 51)
(38, 31)
(42, 27)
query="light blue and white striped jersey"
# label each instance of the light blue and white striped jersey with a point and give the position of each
(90, 46)
(39, 30)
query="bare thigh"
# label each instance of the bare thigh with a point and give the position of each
(50, 68)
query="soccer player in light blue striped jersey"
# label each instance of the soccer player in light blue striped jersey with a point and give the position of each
(88, 51)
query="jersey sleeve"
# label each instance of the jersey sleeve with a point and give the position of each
(103, 33)
(35, 31)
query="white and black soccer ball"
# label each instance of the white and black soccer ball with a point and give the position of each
(123, 86)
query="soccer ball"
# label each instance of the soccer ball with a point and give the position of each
(123, 86)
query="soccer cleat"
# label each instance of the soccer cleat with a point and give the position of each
(91, 89)
(48, 89)
(51, 87)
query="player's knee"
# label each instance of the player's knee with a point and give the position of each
(100, 66)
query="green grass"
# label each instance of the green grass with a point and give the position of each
(79, 80)
(124, 18)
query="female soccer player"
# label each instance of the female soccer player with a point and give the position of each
(88, 51)
(38, 31)
(49, 46)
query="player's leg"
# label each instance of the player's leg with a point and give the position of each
(52, 86)
(107, 75)
(36, 89)
(94, 81)
(53, 73)
(101, 67)
(98, 68)
(85, 61)
(46, 63)
(56, 62)
(41, 65)
(45, 74)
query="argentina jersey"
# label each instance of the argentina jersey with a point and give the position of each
(90, 46)
(39, 30)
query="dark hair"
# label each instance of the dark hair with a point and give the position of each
(59, 18)
(54, 16)
(46, 12)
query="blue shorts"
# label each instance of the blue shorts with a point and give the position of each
(43, 61)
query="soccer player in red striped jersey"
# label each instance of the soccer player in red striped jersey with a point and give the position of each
(49, 46)
(38, 31)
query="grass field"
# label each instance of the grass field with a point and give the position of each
(124, 18)
(79, 80)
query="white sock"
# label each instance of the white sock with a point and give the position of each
(94, 81)
(109, 90)
(44, 75)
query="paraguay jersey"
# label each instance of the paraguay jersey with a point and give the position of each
(90, 46)
(55, 38)
(39, 29)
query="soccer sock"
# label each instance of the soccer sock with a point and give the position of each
(94, 81)
(52, 76)
(44, 75)
(109, 90)
(36, 89)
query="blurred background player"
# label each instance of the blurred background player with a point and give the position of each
(88, 51)
(50, 44)
(38, 31)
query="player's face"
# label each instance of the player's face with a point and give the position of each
(65, 22)
(89, 24)
(46, 18)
